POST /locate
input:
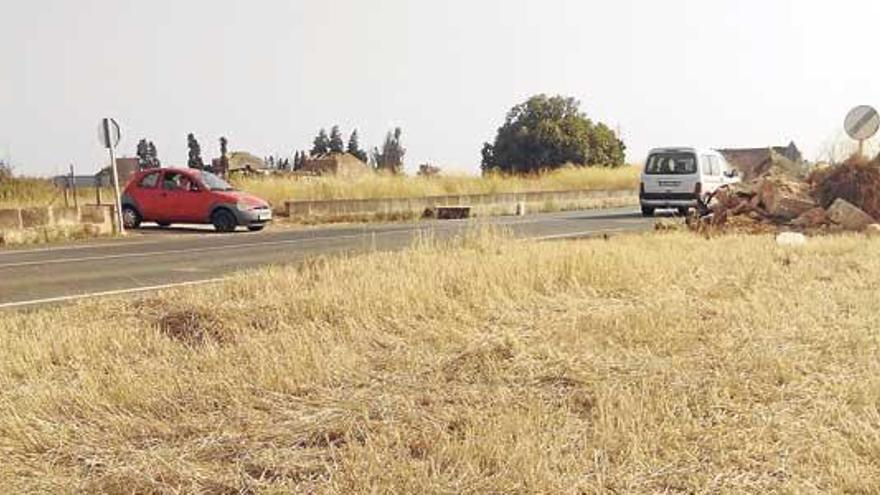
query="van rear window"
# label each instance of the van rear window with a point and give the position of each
(671, 164)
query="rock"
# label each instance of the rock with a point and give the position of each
(791, 239)
(785, 199)
(811, 218)
(849, 216)
(873, 230)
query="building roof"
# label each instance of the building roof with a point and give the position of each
(336, 164)
(242, 160)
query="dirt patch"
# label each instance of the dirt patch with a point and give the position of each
(193, 327)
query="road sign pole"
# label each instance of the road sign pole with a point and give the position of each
(120, 227)
(861, 148)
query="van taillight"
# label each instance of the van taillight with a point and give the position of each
(698, 189)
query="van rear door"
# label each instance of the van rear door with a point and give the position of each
(671, 174)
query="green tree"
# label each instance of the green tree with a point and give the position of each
(548, 132)
(153, 156)
(143, 154)
(390, 158)
(321, 144)
(336, 144)
(195, 153)
(224, 156)
(354, 147)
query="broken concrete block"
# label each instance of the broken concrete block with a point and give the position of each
(785, 199)
(813, 218)
(873, 230)
(849, 216)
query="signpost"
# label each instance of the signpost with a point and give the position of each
(108, 136)
(862, 124)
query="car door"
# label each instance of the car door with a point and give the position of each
(147, 196)
(177, 196)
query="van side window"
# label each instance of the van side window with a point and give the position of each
(715, 166)
(706, 163)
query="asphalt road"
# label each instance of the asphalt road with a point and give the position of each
(155, 259)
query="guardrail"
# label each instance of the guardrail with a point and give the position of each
(481, 204)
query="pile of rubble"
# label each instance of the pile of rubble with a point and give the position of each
(843, 197)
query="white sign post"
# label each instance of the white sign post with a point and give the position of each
(108, 136)
(862, 124)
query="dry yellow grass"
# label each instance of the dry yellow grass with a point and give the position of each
(644, 364)
(24, 192)
(278, 189)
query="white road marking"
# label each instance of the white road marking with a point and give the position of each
(189, 250)
(133, 290)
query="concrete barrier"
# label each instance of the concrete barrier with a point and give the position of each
(10, 219)
(24, 225)
(481, 204)
(36, 217)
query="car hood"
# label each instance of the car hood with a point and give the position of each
(244, 197)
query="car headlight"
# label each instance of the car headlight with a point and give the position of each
(242, 206)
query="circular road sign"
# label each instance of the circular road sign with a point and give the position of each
(108, 133)
(862, 123)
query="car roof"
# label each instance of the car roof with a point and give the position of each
(171, 169)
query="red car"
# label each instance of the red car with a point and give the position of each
(171, 195)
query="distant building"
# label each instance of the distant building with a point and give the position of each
(336, 164)
(126, 167)
(244, 162)
(754, 162)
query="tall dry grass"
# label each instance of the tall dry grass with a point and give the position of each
(644, 364)
(278, 189)
(26, 192)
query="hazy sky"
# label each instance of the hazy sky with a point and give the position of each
(268, 74)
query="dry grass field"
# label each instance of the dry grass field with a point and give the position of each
(657, 363)
(278, 189)
(26, 192)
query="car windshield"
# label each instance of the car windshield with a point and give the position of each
(671, 164)
(215, 183)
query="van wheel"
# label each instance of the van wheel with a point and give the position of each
(256, 228)
(647, 211)
(131, 219)
(224, 221)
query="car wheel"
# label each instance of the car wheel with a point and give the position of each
(256, 228)
(131, 219)
(647, 211)
(224, 221)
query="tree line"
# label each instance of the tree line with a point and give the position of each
(543, 133)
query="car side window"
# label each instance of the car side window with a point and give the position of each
(176, 181)
(149, 181)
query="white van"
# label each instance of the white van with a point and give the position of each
(678, 177)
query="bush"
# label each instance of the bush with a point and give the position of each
(548, 132)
